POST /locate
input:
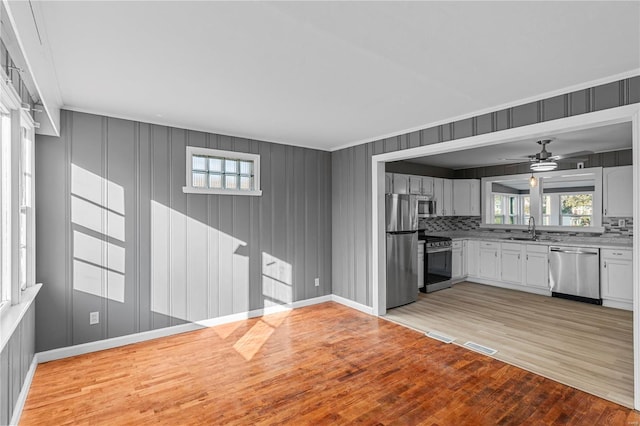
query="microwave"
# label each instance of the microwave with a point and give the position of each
(426, 206)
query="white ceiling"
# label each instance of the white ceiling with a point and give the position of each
(599, 139)
(322, 74)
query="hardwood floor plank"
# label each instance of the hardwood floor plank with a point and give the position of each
(586, 346)
(323, 364)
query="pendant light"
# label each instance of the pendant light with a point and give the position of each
(533, 181)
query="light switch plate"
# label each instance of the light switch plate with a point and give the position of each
(94, 318)
(317, 282)
(622, 223)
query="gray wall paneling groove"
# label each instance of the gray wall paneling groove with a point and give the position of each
(15, 360)
(352, 254)
(187, 257)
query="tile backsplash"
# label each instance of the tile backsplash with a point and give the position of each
(472, 223)
(450, 223)
(613, 229)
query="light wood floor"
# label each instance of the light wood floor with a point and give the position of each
(323, 364)
(585, 346)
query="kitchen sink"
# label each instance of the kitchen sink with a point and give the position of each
(549, 240)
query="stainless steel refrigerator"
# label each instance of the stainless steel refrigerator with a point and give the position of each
(401, 216)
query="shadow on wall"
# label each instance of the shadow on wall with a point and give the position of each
(215, 269)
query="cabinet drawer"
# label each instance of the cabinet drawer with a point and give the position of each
(536, 248)
(616, 254)
(456, 244)
(511, 246)
(488, 244)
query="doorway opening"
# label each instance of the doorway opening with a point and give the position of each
(629, 113)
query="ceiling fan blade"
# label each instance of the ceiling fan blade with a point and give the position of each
(571, 155)
(521, 159)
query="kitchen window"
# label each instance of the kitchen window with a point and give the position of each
(213, 171)
(510, 209)
(574, 209)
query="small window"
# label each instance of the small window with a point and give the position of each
(212, 171)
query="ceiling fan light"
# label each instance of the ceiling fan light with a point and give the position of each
(543, 166)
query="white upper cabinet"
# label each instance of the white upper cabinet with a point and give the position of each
(466, 197)
(618, 191)
(427, 186)
(415, 185)
(400, 184)
(447, 197)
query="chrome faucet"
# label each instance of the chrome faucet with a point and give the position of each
(531, 228)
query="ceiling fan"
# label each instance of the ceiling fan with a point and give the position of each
(545, 161)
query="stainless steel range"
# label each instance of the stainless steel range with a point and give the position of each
(437, 263)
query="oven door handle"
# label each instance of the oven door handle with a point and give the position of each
(438, 250)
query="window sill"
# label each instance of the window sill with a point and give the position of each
(188, 190)
(12, 315)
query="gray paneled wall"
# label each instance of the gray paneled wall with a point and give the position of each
(15, 360)
(352, 172)
(116, 234)
(603, 159)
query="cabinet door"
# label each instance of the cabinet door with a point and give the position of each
(388, 183)
(618, 191)
(427, 186)
(415, 185)
(488, 265)
(616, 273)
(537, 270)
(511, 270)
(400, 184)
(473, 252)
(447, 197)
(438, 195)
(456, 263)
(474, 201)
(461, 197)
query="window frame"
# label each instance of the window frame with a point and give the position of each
(227, 155)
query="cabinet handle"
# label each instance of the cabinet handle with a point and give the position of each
(605, 263)
(518, 257)
(605, 212)
(527, 257)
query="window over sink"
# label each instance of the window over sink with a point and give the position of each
(564, 200)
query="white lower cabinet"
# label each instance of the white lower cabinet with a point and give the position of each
(511, 262)
(473, 254)
(489, 262)
(616, 278)
(458, 260)
(536, 266)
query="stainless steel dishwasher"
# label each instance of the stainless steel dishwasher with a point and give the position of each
(574, 273)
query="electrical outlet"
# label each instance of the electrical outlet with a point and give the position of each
(94, 318)
(622, 223)
(317, 282)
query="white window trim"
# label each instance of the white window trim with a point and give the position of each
(210, 152)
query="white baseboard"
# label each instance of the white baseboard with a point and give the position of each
(350, 303)
(534, 290)
(627, 306)
(115, 342)
(24, 392)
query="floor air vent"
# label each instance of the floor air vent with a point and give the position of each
(479, 348)
(441, 337)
